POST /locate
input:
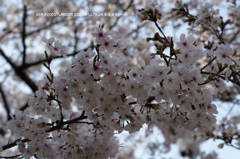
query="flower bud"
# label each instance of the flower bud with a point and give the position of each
(221, 145)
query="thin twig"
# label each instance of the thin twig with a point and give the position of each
(161, 31)
(234, 104)
(217, 34)
(14, 143)
(10, 156)
(124, 10)
(61, 124)
(55, 57)
(208, 64)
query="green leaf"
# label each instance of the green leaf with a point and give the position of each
(178, 51)
(46, 55)
(225, 66)
(94, 60)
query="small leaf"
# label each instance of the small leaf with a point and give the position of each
(46, 55)
(94, 60)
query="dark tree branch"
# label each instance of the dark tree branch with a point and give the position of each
(45, 60)
(14, 144)
(16, 156)
(209, 63)
(20, 73)
(222, 77)
(60, 125)
(24, 107)
(219, 36)
(45, 27)
(9, 31)
(124, 10)
(24, 19)
(155, 22)
(6, 105)
(234, 37)
(235, 78)
(56, 57)
(136, 30)
(75, 38)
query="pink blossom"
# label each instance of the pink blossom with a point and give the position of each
(100, 36)
(223, 53)
(107, 45)
(186, 44)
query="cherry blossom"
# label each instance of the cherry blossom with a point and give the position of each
(172, 81)
(107, 45)
(223, 53)
(186, 44)
(100, 36)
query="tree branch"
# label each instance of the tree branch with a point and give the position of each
(14, 144)
(20, 73)
(6, 106)
(9, 31)
(11, 156)
(24, 107)
(24, 19)
(44, 27)
(75, 38)
(56, 57)
(60, 125)
(155, 22)
(124, 10)
(209, 63)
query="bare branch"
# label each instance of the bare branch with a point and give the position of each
(75, 38)
(16, 156)
(24, 19)
(24, 107)
(60, 125)
(20, 72)
(45, 27)
(124, 10)
(56, 57)
(14, 143)
(6, 105)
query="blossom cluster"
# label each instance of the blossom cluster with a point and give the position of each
(57, 48)
(112, 98)
(206, 15)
